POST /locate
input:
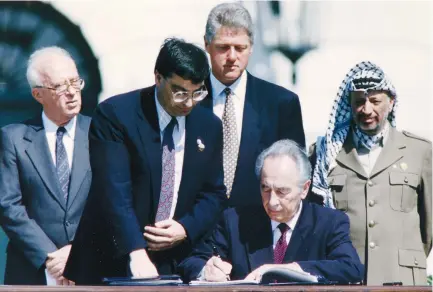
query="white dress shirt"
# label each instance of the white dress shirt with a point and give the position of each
(291, 223)
(179, 147)
(239, 89)
(68, 138)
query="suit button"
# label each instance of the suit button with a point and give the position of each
(406, 180)
(371, 223)
(371, 203)
(372, 244)
(67, 223)
(416, 263)
(370, 183)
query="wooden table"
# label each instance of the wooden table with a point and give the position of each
(214, 289)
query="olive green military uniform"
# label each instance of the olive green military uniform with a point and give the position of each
(390, 210)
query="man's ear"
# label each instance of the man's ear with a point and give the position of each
(157, 78)
(206, 44)
(305, 189)
(37, 95)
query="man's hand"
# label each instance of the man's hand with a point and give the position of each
(64, 282)
(140, 264)
(56, 261)
(216, 270)
(166, 234)
(257, 274)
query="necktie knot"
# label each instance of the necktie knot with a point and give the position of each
(283, 228)
(227, 91)
(60, 132)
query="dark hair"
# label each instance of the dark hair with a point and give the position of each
(184, 59)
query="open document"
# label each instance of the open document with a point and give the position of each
(283, 274)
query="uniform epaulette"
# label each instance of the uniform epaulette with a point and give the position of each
(411, 135)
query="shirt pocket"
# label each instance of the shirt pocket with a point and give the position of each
(412, 267)
(403, 196)
(337, 184)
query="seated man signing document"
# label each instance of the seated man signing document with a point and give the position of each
(286, 232)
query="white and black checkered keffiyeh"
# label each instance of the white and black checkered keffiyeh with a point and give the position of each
(364, 76)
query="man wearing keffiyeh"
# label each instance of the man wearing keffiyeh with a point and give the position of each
(379, 176)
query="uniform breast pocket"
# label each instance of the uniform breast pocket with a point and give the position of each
(337, 184)
(403, 196)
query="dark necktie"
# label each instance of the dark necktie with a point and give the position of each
(281, 246)
(168, 169)
(62, 165)
(230, 141)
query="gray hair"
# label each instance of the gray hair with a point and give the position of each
(291, 149)
(39, 59)
(232, 15)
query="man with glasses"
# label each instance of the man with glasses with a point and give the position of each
(157, 174)
(45, 173)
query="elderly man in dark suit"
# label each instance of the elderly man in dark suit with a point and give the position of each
(45, 173)
(157, 170)
(286, 231)
(255, 113)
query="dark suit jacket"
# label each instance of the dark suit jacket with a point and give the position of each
(33, 212)
(271, 113)
(320, 244)
(125, 152)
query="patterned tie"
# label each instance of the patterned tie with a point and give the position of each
(231, 144)
(62, 165)
(281, 246)
(168, 164)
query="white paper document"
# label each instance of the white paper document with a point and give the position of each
(51, 281)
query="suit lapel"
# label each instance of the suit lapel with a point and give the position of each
(259, 242)
(348, 157)
(148, 128)
(391, 152)
(80, 163)
(40, 156)
(250, 127)
(192, 133)
(302, 229)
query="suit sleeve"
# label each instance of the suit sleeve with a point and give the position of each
(342, 263)
(111, 181)
(425, 201)
(211, 200)
(23, 232)
(290, 124)
(191, 267)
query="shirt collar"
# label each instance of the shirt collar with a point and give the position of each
(51, 127)
(291, 223)
(163, 117)
(238, 87)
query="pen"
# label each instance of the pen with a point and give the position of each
(215, 251)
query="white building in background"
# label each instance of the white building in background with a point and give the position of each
(126, 37)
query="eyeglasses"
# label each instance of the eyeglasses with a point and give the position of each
(77, 84)
(182, 96)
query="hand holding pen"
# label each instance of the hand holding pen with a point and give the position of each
(217, 270)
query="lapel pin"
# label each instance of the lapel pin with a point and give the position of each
(200, 145)
(403, 166)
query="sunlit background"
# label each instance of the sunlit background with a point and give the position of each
(307, 47)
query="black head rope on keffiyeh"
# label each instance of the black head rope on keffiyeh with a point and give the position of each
(364, 76)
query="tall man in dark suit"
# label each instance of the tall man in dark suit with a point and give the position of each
(157, 169)
(286, 231)
(45, 173)
(255, 113)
